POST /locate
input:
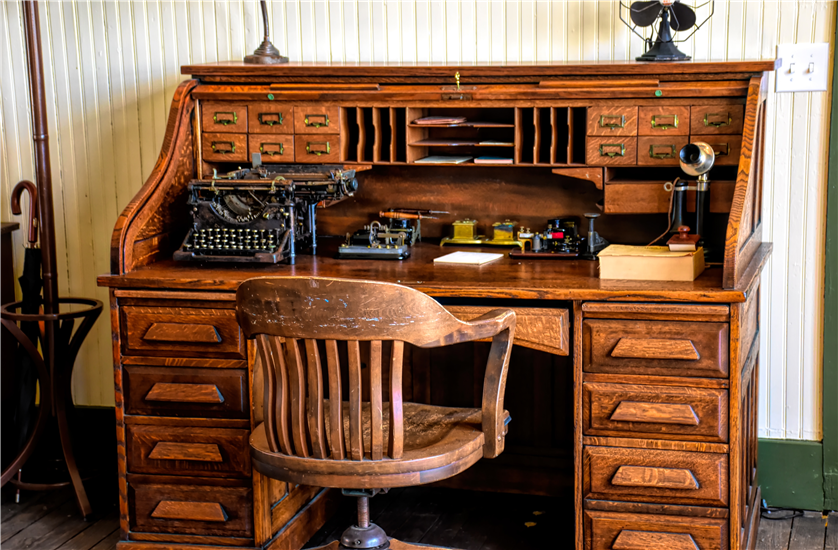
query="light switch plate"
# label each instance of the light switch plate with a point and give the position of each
(804, 67)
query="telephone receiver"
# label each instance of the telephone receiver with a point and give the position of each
(697, 158)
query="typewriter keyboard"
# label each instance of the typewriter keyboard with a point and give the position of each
(227, 241)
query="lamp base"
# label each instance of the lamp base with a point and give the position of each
(265, 54)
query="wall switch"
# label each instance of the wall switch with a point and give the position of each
(804, 67)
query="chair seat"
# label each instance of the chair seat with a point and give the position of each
(439, 442)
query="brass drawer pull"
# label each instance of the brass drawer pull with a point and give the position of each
(666, 154)
(726, 119)
(216, 144)
(719, 152)
(319, 151)
(269, 119)
(665, 125)
(620, 124)
(309, 121)
(612, 154)
(271, 153)
(225, 121)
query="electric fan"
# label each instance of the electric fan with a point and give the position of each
(674, 17)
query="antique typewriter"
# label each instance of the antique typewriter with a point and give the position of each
(261, 214)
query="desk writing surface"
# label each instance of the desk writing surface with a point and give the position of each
(505, 278)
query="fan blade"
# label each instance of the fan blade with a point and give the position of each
(644, 14)
(681, 17)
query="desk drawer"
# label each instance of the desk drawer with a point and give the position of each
(167, 507)
(544, 329)
(722, 118)
(184, 332)
(602, 151)
(316, 120)
(273, 147)
(195, 392)
(188, 451)
(670, 120)
(224, 117)
(667, 348)
(317, 149)
(618, 531)
(663, 150)
(727, 148)
(612, 121)
(270, 118)
(224, 147)
(670, 412)
(647, 475)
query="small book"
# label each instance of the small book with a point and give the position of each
(467, 258)
(650, 263)
(440, 120)
(443, 159)
(491, 142)
(492, 160)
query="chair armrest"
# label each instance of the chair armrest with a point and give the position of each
(494, 388)
(484, 327)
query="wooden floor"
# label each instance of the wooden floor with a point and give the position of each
(445, 517)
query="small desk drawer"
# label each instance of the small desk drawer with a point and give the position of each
(165, 507)
(660, 150)
(184, 332)
(670, 120)
(195, 392)
(602, 151)
(627, 410)
(667, 348)
(612, 121)
(270, 118)
(647, 475)
(317, 149)
(223, 117)
(727, 148)
(224, 147)
(188, 451)
(317, 120)
(273, 147)
(723, 118)
(544, 329)
(618, 531)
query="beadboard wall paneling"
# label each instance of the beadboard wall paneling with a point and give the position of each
(112, 67)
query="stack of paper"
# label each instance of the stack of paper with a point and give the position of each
(467, 258)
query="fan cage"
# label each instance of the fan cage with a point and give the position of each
(649, 40)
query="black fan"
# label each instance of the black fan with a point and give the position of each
(674, 17)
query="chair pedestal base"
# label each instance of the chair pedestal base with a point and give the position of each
(371, 537)
(394, 545)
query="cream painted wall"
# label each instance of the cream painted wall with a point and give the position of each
(111, 69)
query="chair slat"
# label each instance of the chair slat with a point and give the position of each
(281, 371)
(396, 412)
(376, 406)
(356, 442)
(269, 393)
(296, 378)
(316, 424)
(336, 443)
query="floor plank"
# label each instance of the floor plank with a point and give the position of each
(51, 531)
(774, 534)
(108, 543)
(38, 506)
(93, 535)
(831, 542)
(808, 532)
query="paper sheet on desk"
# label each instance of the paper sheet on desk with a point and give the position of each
(467, 258)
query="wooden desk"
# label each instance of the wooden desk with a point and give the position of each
(635, 400)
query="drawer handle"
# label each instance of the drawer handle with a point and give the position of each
(612, 154)
(185, 393)
(621, 121)
(269, 119)
(646, 540)
(726, 119)
(718, 151)
(183, 332)
(310, 121)
(200, 452)
(271, 153)
(665, 125)
(656, 413)
(661, 478)
(655, 348)
(231, 118)
(664, 154)
(318, 152)
(216, 147)
(190, 511)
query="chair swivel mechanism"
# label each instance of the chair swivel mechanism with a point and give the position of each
(319, 430)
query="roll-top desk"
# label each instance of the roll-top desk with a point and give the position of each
(633, 401)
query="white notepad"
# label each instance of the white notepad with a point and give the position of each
(467, 258)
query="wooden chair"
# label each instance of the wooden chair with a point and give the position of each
(363, 446)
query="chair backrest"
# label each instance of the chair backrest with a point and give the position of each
(295, 319)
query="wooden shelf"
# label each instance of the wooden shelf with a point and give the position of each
(464, 125)
(456, 143)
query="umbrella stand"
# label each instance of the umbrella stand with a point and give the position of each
(53, 367)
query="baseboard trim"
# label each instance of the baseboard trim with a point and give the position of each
(791, 473)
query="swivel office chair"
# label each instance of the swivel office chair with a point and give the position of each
(322, 433)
